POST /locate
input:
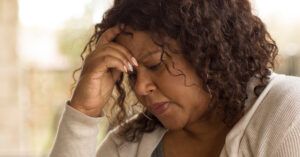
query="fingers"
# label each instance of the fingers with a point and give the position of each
(123, 55)
(110, 34)
(99, 67)
(110, 55)
(124, 52)
(125, 62)
(113, 62)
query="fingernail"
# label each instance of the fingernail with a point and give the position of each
(125, 68)
(134, 61)
(130, 67)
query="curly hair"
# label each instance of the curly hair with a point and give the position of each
(222, 39)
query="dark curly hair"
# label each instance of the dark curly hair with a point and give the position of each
(222, 39)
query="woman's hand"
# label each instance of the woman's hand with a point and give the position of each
(101, 69)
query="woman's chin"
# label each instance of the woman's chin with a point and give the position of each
(172, 119)
(173, 125)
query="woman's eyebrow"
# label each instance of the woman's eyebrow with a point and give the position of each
(147, 54)
(127, 33)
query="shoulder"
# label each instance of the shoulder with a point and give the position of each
(284, 95)
(282, 105)
(285, 85)
(283, 98)
(277, 113)
(279, 104)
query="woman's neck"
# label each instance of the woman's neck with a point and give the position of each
(205, 137)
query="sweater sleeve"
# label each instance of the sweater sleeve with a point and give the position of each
(290, 146)
(108, 147)
(76, 136)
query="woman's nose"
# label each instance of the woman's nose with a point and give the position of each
(144, 84)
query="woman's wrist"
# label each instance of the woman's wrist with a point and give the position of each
(88, 112)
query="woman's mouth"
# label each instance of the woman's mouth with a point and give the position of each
(159, 108)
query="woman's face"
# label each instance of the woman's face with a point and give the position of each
(154, 84)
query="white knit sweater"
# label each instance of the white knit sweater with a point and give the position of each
(270, 128)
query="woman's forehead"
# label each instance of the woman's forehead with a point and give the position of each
(138, 43)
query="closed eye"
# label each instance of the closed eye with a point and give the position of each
(132, 75)
(154, 67)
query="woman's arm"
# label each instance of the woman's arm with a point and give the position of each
(77, 135)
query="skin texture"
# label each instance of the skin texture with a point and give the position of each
(187, 103)
(185, 116)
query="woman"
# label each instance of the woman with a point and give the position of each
(201, 73)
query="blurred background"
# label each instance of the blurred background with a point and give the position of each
(40, 45)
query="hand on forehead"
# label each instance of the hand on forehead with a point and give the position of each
(139, 43)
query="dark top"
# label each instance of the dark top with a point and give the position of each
(158, 152)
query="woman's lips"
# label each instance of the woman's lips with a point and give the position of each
(159, 108)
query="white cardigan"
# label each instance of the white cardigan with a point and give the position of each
(270, 128)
